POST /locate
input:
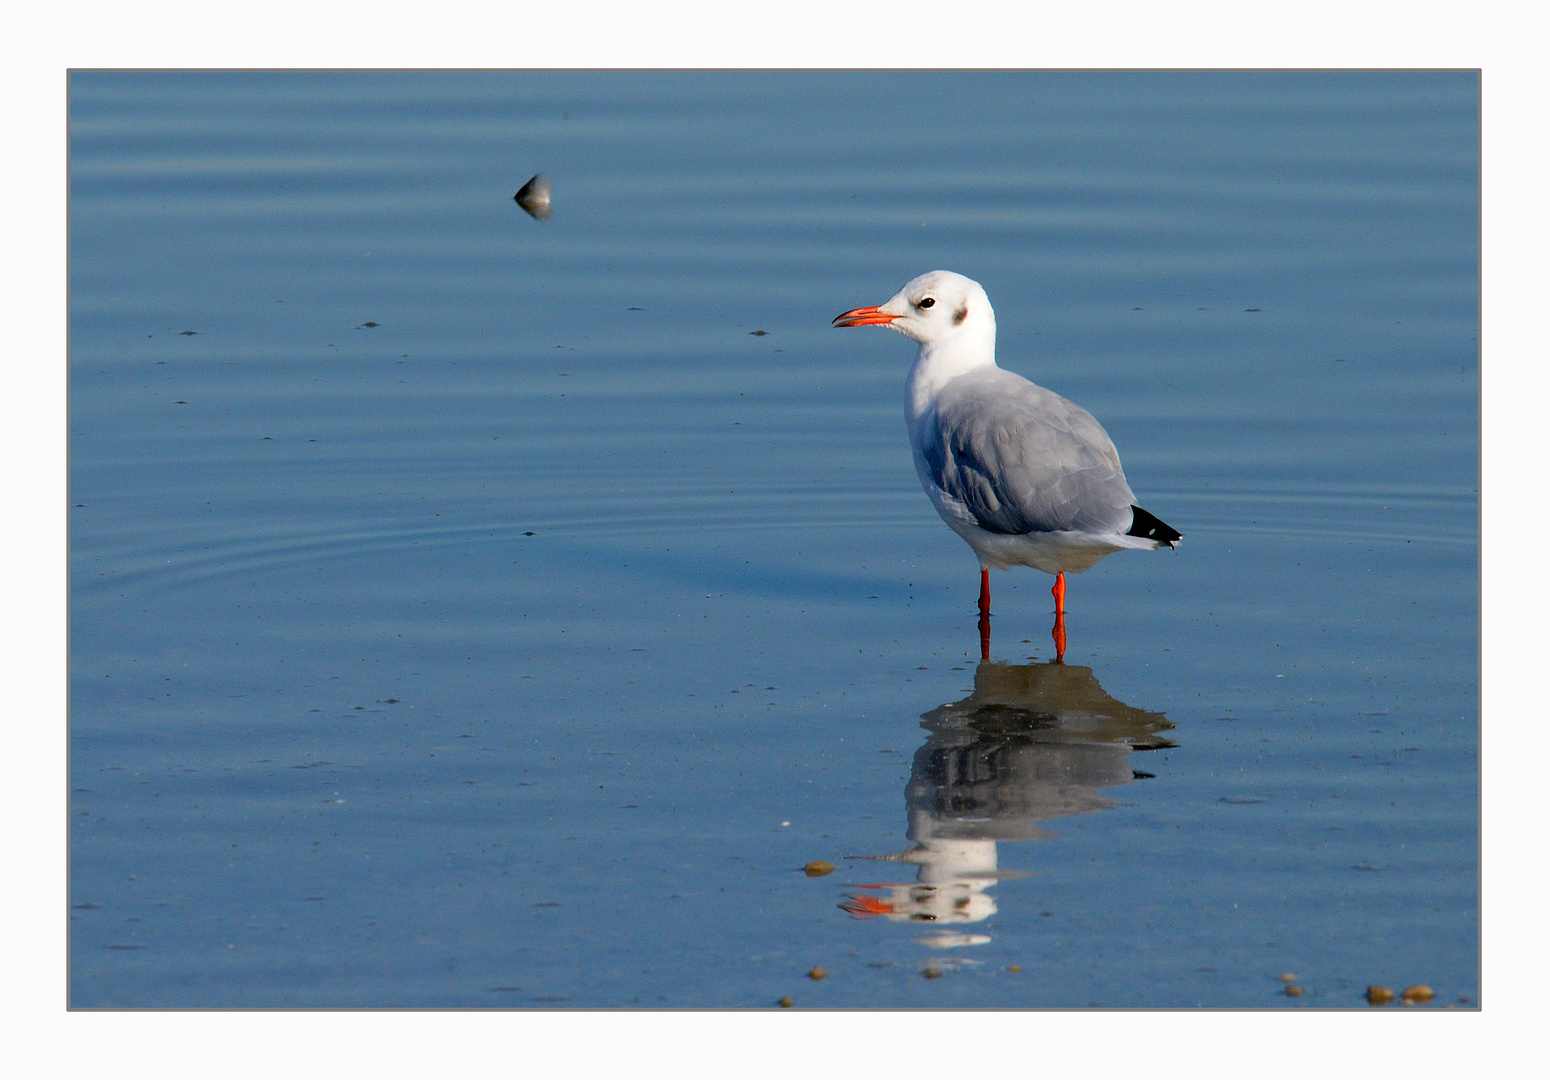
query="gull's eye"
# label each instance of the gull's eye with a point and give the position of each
(927, 302)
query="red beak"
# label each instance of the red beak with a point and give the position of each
(865, 907)
(864, 316)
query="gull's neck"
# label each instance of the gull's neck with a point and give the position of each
(940, 362)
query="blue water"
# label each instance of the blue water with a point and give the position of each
(521, 649)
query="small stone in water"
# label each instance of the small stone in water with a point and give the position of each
(1294, 991)
(1420, 992)
(1379, 995)
(785, 1003)
(817, 973)
(1014, 968)
(818, 868)
(1287, 976)
(534, 197)
(932, 973)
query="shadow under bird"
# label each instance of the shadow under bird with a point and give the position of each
(534, 197)
(1026, 477)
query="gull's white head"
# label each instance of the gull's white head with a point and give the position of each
(933, 309)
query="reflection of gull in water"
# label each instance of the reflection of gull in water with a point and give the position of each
(1033, 742)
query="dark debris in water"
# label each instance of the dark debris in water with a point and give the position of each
(1240, 800)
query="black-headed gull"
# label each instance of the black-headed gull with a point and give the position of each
(1026, 477)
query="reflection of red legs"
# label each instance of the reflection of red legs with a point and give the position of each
(1059, 632)
(984, 614)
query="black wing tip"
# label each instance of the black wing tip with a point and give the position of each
(1152, 527)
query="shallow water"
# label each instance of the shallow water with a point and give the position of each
(521, 648)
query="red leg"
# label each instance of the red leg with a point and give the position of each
(984, 614)
(1059, 632)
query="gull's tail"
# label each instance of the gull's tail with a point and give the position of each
(1152, 528)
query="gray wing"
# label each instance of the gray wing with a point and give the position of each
(1024, 459)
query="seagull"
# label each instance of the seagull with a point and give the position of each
(1026, 477)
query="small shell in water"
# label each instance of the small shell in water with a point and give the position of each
(534, 197)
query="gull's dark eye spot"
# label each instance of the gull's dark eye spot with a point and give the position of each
(927, 302)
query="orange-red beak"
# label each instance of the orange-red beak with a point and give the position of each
(864, 316)
(865, 906)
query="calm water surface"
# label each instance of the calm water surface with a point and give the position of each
(469, 610)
